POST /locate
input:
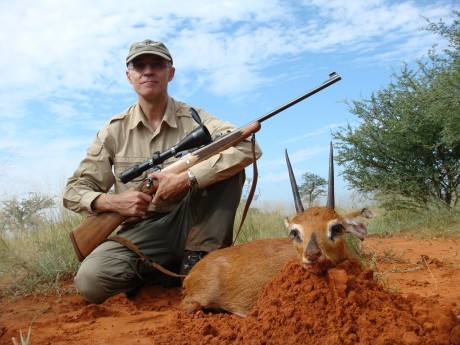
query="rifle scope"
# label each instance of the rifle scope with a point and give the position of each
(199, 136)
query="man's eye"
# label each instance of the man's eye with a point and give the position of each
(139, 65)
(155, 65)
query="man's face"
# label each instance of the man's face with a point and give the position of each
(149, 75)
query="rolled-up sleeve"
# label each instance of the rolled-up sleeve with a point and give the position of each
(92, 177)
(228, 162)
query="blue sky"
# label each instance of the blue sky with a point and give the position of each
(63, 74)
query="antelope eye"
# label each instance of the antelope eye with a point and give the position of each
(296, 234)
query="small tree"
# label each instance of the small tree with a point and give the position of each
(407, 145)
(26, 214)
(312, 188)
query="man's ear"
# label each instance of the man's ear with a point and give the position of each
(172, 71)
(128, 77)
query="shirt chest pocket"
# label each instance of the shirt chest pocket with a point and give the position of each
(123, 165)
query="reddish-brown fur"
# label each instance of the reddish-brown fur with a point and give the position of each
(230, 279)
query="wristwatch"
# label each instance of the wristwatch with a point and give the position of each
(192, 181)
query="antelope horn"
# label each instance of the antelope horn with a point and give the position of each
(295, 190)
(330, 188)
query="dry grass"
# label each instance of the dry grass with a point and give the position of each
(429, 223)
(40, 260)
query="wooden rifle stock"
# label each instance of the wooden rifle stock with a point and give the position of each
(96, 228)
(93, 231)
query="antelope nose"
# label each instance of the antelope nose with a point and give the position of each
(313, 257)
(313, 251)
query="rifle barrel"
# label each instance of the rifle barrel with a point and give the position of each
(333, 77)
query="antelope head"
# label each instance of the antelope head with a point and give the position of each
(318, 232)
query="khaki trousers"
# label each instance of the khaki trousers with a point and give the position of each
(203, 221)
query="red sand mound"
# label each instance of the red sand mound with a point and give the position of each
(346, 306)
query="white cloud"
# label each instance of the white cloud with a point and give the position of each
(72, 46)
(320, 131)
(62, 63)
(295, 157)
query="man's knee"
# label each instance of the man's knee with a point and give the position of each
(97, 281)
(89, 285)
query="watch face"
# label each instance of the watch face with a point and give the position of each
(192, 180)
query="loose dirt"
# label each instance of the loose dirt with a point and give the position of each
(410, 296)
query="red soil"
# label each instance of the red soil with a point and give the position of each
(415, 300)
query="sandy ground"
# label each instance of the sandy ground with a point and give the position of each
(412, 296)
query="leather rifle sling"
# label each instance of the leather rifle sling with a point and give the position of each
(252, 191)
(144, 258)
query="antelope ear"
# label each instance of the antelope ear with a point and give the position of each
(364, 212)
(354, 223)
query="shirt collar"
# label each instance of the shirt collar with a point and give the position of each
(169, 116)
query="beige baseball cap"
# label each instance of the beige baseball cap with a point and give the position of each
(148, 47)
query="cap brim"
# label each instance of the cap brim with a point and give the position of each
(164, 56)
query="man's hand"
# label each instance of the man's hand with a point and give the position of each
(171, 187)
(130, 203)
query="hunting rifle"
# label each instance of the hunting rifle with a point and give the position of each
(96, 228)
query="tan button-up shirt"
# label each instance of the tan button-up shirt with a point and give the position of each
(128, 139)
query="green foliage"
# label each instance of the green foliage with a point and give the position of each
(407, 144)
(451, 33)
(312, 188)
